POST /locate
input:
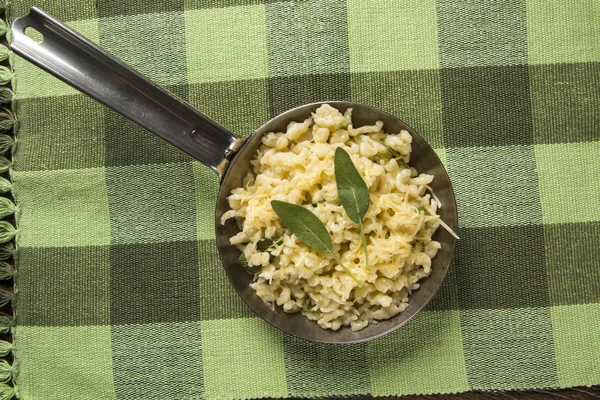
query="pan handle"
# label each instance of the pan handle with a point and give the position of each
(80, 63)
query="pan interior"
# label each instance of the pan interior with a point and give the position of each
(423, 158)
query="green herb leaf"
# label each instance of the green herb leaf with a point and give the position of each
(253, 269)
(401, 161)
(309, 229)
(395, 154)
(269, 244)
(422, 210)
(352, 189)
(243, 261)
(352, 192)
(304, 224)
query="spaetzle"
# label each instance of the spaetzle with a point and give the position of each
(296, 166)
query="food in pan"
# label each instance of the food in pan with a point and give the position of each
(380, 233)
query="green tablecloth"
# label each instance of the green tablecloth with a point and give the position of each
(120, 291)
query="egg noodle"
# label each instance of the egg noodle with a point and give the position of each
(297, 166)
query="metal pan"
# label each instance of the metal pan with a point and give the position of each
(80, 63)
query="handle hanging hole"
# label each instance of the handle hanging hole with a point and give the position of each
(34, 34)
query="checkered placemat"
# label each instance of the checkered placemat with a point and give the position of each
(120, 290)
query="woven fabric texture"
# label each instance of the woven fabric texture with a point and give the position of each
(120, 290)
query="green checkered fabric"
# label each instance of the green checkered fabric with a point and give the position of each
(120, 290)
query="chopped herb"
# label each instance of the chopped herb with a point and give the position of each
(263, 245)
(422, 210)
(243, 261)
(395, 154)
(253, 269)
(269, 244)
(401, 161)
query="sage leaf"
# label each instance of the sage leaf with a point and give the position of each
(304, 224)
(352, 189)
(309, 229)
(352, 192)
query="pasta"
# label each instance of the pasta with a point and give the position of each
(296, 166)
